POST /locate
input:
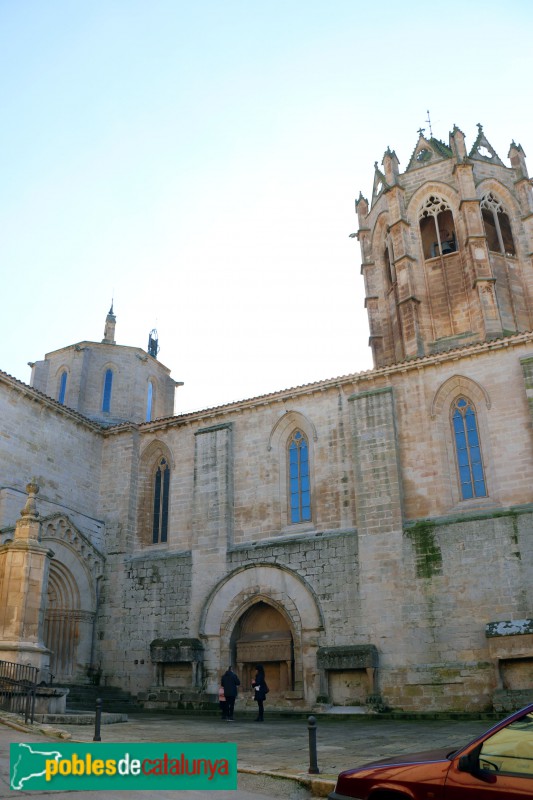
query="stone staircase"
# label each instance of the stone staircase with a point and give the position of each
(114, 699)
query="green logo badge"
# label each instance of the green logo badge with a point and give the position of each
(162, 765)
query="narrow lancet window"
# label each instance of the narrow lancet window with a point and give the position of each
(389, 263)
(62, 387)
(149, 401)
(468, 450)
(299, 480)
(108, 386)
(161, 496)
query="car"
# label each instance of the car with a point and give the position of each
(496, 765)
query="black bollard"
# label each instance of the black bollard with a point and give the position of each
(97, 721)
(313, 763)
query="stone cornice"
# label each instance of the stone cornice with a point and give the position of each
(422, 362)
(415, 364)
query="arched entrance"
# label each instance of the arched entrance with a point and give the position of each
(71, 602)
(61, 622)
(263, 636)
(268, 614)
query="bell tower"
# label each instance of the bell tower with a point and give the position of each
(446, 248)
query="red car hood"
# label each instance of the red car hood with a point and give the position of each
(439, 754)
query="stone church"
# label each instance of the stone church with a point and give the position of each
(368, 538)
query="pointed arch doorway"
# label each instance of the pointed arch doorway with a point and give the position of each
(61, 622)
(263, 635)
(70, 608)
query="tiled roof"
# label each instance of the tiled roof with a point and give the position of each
(302, 389)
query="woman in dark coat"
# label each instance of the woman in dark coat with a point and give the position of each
(260, 688)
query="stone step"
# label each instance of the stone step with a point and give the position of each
(79, 718)
(83, 697)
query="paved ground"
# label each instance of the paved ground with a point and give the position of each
(269, 752)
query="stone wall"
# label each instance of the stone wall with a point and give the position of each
(54, 445)
(392, 557)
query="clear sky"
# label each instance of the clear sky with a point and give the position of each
(198, 162)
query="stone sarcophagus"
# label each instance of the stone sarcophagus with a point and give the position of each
(273, 649)
(261, 647)
(358, 656)
(347, 659)
(510, 644)
(169, 654)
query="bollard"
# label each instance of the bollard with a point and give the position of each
(97, 721)
(313, 763)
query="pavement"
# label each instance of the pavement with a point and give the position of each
(273, 756)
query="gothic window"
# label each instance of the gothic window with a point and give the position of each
(108, 387)
(437, 228)
(299, 479)
(161, 486)
(149, 401)
(389, 263)
(497, 226)
(62, 386)
(468, 449)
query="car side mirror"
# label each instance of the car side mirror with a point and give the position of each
(469, 763)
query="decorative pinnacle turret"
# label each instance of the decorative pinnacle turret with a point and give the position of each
(30, 509)
(109, 330)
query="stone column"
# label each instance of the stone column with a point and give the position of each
(24, 565)
(379, 518)
(212, 532)
(484, 305)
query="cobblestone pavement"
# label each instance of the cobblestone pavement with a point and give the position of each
(280, 745)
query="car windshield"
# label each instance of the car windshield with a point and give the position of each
(510, 749)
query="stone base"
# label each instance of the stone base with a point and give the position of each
(50, 700)
(160, 698)
(80, 718)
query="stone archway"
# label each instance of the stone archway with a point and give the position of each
(264, 636)
(61, 622)
(72, 599)
(264, 600)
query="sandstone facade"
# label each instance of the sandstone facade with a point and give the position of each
(360, 536)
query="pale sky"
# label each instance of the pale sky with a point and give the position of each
(198, 163)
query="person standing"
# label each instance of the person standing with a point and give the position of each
(260, 688)
(222, 702)
(229, 683)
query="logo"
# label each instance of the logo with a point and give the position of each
(162, 765)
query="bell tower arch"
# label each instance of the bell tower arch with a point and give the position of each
(446, 248)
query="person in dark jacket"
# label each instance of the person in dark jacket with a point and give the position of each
(229, 683)
(260, 688)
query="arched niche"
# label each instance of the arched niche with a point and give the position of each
(256, 599)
